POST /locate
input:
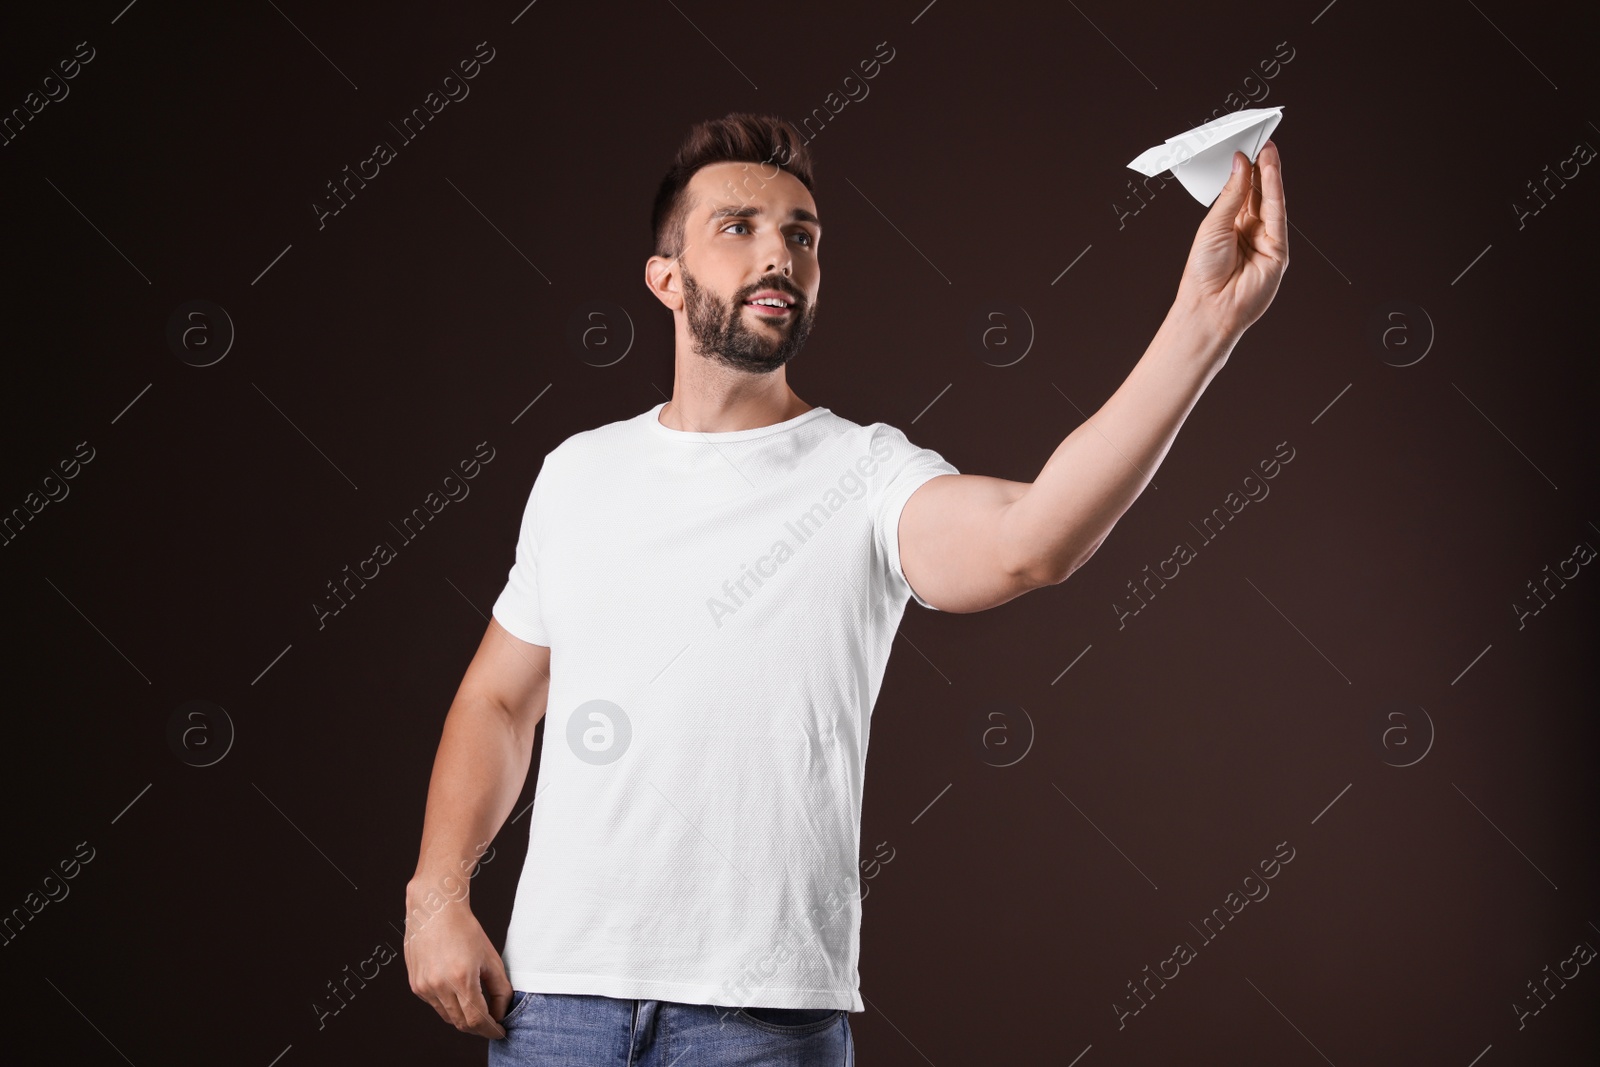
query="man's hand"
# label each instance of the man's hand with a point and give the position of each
(452, 964)
(1242, 248)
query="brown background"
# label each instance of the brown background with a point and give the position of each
(1243, 707)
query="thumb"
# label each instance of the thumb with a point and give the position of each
(1233, 194)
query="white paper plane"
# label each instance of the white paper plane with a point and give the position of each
(1202, 159)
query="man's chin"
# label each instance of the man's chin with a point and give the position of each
(765, 366)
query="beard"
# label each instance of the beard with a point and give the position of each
(723, 333)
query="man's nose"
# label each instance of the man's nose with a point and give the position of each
(781, 260)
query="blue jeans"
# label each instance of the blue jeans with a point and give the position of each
(581, 1030)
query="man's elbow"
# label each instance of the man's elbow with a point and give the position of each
(1057, 574)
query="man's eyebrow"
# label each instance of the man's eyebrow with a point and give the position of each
(730, 211)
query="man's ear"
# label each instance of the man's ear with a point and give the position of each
(661, 278)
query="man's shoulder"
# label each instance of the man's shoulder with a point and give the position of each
(867, 430)
(608, 437)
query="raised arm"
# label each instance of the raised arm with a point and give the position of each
(969, 542)
(478, 773)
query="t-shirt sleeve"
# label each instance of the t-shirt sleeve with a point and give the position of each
(902, 474)
(517, 608)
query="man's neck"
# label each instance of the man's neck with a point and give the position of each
(713, 412)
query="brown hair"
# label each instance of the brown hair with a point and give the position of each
(738, 137)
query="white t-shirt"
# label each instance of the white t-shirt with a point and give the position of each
(719, 609)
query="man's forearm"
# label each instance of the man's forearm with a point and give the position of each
(1096, 474)
(478, 773)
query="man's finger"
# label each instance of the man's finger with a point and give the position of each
(475, 1014)
(446, 1009)
(1274, 207)
(1233, 193)
(497, 987)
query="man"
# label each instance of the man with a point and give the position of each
(704, 598)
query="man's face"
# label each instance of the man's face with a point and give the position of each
(751, 231)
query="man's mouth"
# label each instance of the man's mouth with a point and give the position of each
(771, 307)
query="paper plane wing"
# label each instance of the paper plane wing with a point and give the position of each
(1202, 158)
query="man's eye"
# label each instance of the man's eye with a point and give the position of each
(809, 240)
